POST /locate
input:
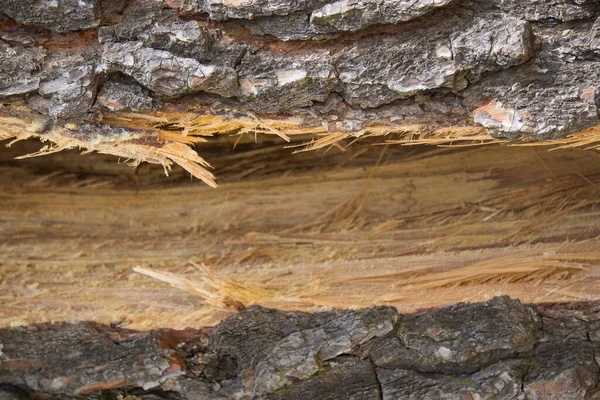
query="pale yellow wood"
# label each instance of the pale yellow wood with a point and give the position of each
(412, 227)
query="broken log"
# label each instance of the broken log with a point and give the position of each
(178, 83)
(167, 81)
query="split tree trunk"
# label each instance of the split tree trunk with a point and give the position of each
(146, 79)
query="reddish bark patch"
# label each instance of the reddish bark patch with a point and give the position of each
(97, 386)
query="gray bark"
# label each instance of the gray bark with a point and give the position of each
(520, 69)
(500, 349)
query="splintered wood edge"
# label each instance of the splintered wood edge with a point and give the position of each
(139, 137)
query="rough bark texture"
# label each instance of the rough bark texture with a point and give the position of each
(519, 69)
(141, 78)
(500, 349)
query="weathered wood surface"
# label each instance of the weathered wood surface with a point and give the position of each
(500, 349)
(418, 228)
(145, 79)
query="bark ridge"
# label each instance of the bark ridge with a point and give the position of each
(499, 349)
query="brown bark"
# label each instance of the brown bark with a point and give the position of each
(142, 79)
(500, 349)
(155, 80)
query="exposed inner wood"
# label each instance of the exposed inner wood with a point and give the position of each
(411, 227)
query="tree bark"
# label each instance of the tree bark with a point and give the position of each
(500, 349)
(146, 79)
(142, 78)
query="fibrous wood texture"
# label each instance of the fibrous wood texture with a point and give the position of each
(316, 236)
(500, 349)
(410, 227)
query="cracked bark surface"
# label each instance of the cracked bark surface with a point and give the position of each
(450, 51)
(500, 349)
(73, 71)
(143, 79)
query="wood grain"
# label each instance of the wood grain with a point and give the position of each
(412, 227)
